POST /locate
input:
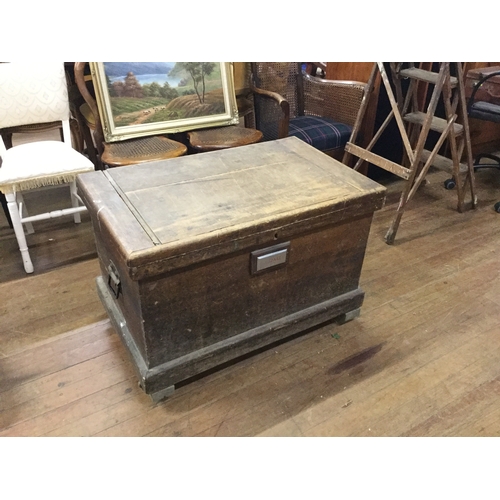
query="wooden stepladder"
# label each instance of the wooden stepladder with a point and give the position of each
(414, 124)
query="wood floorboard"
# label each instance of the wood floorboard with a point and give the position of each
(464, 413)
(388, 412)
(421, 360)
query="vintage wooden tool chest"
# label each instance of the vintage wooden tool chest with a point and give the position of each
(207, 257)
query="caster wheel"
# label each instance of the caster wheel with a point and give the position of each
(497, 207)
(449, 184)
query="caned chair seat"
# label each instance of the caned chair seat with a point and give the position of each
(212, 139)
(141, 150)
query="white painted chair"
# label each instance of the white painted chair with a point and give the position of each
(36, 93)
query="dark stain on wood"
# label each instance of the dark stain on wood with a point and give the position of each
(356, 359)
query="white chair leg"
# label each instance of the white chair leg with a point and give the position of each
(28, 225)
(19, 231)
(74, 201)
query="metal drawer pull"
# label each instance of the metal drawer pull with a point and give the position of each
(269, 258)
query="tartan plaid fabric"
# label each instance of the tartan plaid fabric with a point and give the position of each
(321, 133)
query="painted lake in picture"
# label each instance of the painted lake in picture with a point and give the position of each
(145, 92)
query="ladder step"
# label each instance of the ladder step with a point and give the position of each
(437, 124)
(384, 163)
(442, 162)
(425, 76)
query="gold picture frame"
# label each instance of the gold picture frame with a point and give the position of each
(139, 98)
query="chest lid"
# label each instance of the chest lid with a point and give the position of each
(175, 212)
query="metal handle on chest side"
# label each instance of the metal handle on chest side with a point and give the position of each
(114, 282)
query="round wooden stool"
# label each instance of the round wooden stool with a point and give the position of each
(212, 139)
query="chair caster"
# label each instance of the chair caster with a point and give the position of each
(497, 207)
(450, 183)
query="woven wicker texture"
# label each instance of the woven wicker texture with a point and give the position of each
(280, 78)
(306, 95)
(339, 101)
(141, 150)
(223, 138)
(267, 117)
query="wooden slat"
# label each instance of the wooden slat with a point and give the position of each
(437, 124)
(465, 416)
(442, 162)
(425, 76)
(71, 303)
(381, 162)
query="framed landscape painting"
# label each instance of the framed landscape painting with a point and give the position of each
(145, 98)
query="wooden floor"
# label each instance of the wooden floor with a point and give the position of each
(422, 360)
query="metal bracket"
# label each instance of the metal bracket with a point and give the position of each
(114, 282)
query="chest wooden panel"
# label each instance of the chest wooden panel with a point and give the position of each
(208, 257)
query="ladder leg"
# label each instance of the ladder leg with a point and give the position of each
(403, 200)
(393, 229)
(361, 113)
(470, 177)
(453, 142)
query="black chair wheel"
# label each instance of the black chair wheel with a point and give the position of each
(497, 207)
(450, 184)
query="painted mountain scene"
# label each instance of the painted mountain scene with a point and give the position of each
(150, 92)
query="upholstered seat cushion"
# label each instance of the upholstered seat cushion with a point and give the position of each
(482, 110)
(43, 163)
(321, 133)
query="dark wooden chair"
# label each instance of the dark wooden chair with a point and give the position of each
(121, 153)
(482, 106)
(291, 101)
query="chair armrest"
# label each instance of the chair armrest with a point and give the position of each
(280, 100)
(339, 100)
(272, 113)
